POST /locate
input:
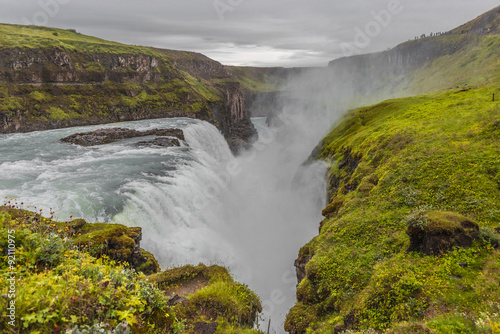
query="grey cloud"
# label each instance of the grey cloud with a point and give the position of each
(258, 32)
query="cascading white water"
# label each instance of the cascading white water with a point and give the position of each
(167, 191)
(195, 203)
(180, 212)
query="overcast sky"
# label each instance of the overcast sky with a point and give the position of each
(252, 32)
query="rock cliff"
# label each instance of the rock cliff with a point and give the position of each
(52, 78)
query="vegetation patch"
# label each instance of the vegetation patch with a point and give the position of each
(210, 295)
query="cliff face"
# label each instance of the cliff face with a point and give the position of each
(262, 87)
(233, 116)
(62, 67)
(51, 78)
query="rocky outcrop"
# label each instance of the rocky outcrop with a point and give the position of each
(201, 294)
(106, 136)
(435, 232)
(233, 119)
(205, 328)
(160, 142)
(118, 242)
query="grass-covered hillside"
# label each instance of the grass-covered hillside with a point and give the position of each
(261, 80)
(94, 77)
(38, 37)
(78, 277)
(474, 61)
(410, 242)
(466, 55)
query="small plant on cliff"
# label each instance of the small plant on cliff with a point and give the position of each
(488, 235)
(418, 218)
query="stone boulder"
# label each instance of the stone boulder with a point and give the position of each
(205, 328)
(161, 142)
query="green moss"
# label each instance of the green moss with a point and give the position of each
(149, 265)
(94, 67)
(447, 221)
(183, 275)
(299, 318)
(410, 328)
(306, 292)
(57, 113)
(39, 96)
(202, 88)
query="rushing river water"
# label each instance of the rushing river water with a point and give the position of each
(196, 203)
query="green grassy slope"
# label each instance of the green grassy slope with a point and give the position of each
(476, 63)
(260, 80)
(399, 164)
(38, 37)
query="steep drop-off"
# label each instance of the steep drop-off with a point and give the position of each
(262, 87)
(53, 78)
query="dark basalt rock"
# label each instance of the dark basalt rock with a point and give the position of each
(205, 328)
(300, 268)
(160, 141)
(176, 299)
(106, 136)
(305, 255)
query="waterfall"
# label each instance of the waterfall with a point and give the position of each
(195, 203)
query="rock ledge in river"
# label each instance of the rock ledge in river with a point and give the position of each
(106, 136)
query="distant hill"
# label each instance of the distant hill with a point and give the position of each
(466, 55)
(488, 23)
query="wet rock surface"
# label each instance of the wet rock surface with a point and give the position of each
(160, 142)
(106, 136)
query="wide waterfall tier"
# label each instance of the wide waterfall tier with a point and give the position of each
(153, 187)
(195, 203)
